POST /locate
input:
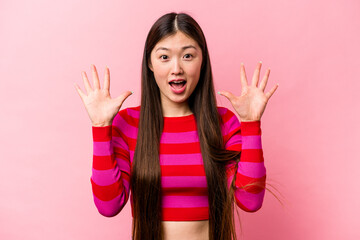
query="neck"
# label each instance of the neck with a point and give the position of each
(171, 109)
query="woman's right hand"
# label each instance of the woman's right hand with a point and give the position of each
(100, 107)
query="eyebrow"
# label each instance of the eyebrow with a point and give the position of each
(183, 48)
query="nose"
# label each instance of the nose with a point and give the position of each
(177, 68)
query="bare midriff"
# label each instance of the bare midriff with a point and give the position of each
(189, 230)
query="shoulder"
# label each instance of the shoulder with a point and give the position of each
(130, 111)
(130, 115)
(227, 115)
(230, 124)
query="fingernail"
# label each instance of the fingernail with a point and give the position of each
(260, 62)
(132, 92)
(218, 93)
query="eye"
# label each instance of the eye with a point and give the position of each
(188, 55)
(163, 58)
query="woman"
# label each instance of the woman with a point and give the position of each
(184, 158)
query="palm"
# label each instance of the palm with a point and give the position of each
(99, 105)
(251, 103)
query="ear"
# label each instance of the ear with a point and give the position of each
(150, 66)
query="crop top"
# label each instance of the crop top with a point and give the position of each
(183, 178)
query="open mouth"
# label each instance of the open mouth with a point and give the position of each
(178, 84)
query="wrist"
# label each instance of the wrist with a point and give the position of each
(102, 124)
(249, 120)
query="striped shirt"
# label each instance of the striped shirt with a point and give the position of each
(183, 178)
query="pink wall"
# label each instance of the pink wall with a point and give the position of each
(309, 126)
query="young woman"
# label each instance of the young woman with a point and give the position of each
(184, 159)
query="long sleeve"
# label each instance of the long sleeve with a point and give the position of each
(246, 137)
(111, 168)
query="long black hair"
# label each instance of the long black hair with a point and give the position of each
(145, 178)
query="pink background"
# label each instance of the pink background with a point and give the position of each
(309, 125)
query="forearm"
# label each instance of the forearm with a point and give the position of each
(251, 172)
(109, 186)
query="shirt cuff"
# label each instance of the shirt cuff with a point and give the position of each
(101, 134)
(250, 128)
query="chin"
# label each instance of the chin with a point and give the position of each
(179, 99)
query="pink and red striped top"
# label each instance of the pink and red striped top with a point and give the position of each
(183, 178)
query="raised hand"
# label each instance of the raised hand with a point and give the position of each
(99, 105)
(250, 105)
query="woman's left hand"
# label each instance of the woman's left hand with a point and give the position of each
(250, 105)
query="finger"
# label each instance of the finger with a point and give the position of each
(256, 75)
(86, 82)
(271, 92)
(264, 80)
(81, 94)
(243, 79)
(122, 98)
(95, 77)
(107, 79)
(228, 95)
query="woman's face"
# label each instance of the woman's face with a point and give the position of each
(176, 57)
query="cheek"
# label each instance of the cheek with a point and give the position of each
(160, 79)
(194, 70)
(160, 76)
(159, 70)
